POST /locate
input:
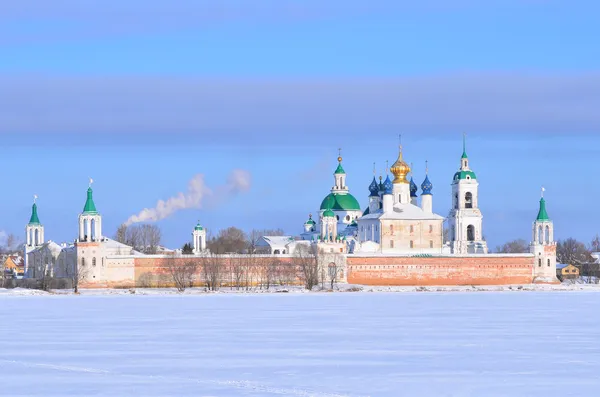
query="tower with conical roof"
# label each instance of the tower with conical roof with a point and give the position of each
(465, 219)
(199, 237)
(543, 245)
(34, 233)
(90, 221)
(401, 190)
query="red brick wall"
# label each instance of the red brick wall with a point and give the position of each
(484, 270)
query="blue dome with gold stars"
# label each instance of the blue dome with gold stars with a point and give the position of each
(426, 186)
(413, 188)
(374, 188)
(389, 187)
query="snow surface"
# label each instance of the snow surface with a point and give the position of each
(519, 343)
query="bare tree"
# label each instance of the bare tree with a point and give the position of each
(145, 238)
(595, 245)
(513, 247)
(573, 252)
(121, 234)
(230, 240)
(306, 260)
(211, 270)
(182, 273)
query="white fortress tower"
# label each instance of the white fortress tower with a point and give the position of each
(465, 219)
(90, 221)
(34, 233)
(543, 246)
(199, 237)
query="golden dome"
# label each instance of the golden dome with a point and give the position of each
(400, 169)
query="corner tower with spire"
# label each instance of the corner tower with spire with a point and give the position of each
(34, 233)
(90, 221)
(465, 219)
(543, 246)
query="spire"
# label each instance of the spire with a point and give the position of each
(464, 154)
(90, 207)
(34, 220)
(542, 213)
(339, 169)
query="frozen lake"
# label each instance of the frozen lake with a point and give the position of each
(345, 344)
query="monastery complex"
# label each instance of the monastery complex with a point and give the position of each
(396, 239)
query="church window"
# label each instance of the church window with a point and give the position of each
(391, 243)
(82, 262)
(337, 217)
(430, 228)
(94, 261)
(347, 217)
(430, 243)
(548, 262)
(412, 244)
(412, 228)
(547, 234)
(469, 200)
(540, 235)
(391, 228)
(471, 233)
(539, 263)
(456, 201)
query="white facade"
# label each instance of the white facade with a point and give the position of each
(465, 220)
(543, 246)
(199, 239)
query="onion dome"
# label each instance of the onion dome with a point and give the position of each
(198, 226)
(388, 186)
(426, 186)
(373, 188)
(400, 169)
(381, 186)
(310, 220)
(328, 214)
(413, 188)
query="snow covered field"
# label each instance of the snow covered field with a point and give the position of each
(318, 344)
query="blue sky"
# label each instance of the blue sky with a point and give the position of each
(143, 96)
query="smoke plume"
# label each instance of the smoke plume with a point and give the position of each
(198, 195)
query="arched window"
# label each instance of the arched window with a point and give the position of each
(391, 243)
(548, 262)
(471, 233)
(468, 200)
(93, 230)
(82, 262)
(276, 252)
(94, 261)
(85, 229)
(430, 243)
(456, 201)
(430, 228)
(412, 228)
(412, 244)
(36, 241)
(540, 235)
(539, 262)
(347, 217)
(337, 217)
(547, 234)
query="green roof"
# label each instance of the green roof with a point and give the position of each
(89, 207)
(464, 174)
(34, 220)
(343, 202)
(339, 169)
(542, 214)
(310, 221)
(198, 227)
(328, 214)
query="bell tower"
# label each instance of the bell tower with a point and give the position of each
(90, 221)
(543, 246)
(199, 236)
(465, 219)
(34, 233)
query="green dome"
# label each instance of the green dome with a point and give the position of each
(89, 207)
(310, 221)
(328, 214)
(543, 214)
(343, 202)
(198, 227)
(34, 220)
(464, 174)
(339, 169)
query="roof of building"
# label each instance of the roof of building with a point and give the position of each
(198, 226)
(413, 188)
(89, 207)
(34, 220)
(328, 213)
(561, 265)
(340, 202)
(542, 214)
(389, 186)
(464, 175)
(339, 169)
(274, 241)
(403, 211)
